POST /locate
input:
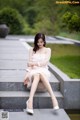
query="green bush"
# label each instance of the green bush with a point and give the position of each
(13, 19)
(66, 17)
(71, 21)
(74, 23)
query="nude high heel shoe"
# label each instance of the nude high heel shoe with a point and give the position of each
(56, 108)
(28, 110)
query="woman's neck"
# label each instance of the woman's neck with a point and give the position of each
(41, 48)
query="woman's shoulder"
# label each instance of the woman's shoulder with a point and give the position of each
(47, 49)
(31, 49)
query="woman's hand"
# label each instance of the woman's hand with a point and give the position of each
(32, 64)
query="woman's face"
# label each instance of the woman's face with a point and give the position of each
(40, 43)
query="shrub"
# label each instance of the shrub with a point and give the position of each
(72, 21)
(66, 17)
(13, 19)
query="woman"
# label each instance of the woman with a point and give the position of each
(39, 57)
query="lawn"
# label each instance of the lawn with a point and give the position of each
(66, 58)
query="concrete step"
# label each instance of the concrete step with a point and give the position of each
(12, 80)
(8, 56)
(13, 64)
(10, 43)
(40, 114)
(17, 99)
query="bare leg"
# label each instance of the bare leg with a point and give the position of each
(36, 80)
(48, 87)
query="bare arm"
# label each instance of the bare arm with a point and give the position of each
(30, 63)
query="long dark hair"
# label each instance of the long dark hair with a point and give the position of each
(37, 37)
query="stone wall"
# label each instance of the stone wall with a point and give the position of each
(70, 88)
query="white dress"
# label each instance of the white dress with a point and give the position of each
(42, 59)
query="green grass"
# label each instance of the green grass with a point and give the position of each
(66, 58)
(59, 50)
(68, 64)
(74, 35)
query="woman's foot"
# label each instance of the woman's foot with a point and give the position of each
(55, 104)
(56, 107)
(29, 107)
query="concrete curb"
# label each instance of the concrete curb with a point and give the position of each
(70, 88)
(58, 73)
(68, 39)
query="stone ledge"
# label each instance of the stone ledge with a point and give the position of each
(17, 100)
(68, 39)
(58, 73)
(26, 94)
(70, 88)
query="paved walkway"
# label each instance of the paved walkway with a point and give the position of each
(49, 39)
(13, 62)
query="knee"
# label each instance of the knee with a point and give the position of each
(36, 76)
(42, 75)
